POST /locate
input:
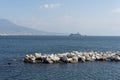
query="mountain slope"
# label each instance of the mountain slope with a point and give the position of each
(9, 28)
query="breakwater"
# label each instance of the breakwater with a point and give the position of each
(72, 57)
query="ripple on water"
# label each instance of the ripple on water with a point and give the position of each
(82, 71)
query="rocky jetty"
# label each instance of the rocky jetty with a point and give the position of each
(72, 57)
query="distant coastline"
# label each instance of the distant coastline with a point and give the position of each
(29, 34)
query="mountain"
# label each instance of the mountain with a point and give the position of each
(9, 28)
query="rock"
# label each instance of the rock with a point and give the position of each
(72, 57)
(47, 60)
(37, 55)
(74, 60)
(98, 57)
(93, 58)
(69, 60)
(88, 59)
(81, 59)
(64, 59)
(39, 60)
(29, 59)
(54, 58)
(115, 58)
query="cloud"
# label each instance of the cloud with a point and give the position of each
(50, 6)
(117, 10)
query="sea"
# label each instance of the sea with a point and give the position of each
(14, 48)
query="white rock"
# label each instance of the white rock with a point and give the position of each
(54, 58)
(48, 60)
(74, 59)
(37, 55)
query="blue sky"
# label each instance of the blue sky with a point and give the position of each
(89, 17)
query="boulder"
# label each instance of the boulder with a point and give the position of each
(29, 59)
(115, 58)
(81, 58)
(74, 60)
(54, 58)
(37, 55)
(88, 59)
(48, 60)
(64, 59)
(98, 57)
(93, 58)
(72, 57)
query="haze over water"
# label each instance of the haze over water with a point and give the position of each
(88, 17)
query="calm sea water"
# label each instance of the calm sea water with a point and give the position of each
(14, 48)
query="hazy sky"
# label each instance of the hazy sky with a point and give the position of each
(89, 17)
